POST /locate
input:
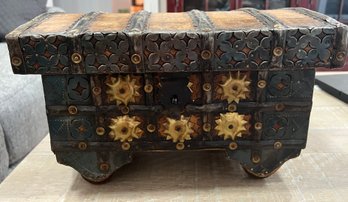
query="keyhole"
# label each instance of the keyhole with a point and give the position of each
(174, 99)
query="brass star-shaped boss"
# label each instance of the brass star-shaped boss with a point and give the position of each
(235, 89)
(178, 130)
(231, 125)
(123, 89)
(125, 128)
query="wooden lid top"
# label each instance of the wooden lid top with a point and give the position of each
(55, 43)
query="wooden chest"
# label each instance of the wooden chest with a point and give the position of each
(238, 81)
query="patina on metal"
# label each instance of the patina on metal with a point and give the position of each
(239, 81)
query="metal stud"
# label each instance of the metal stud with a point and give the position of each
(104, 167)
(72, 109)
(151, 128)
(206, 127)
(278, 51)
(125, 146)
(100, 131)
(124, 109)
(232, 107)
(207, 87)
(279, 107)
(148, 88)
(233, 146)
(258, 126)
(180, 146)
(277, 145)
(136, 59)
(76, 58)
(16, 61)
(340, 56)
(96, 90)
(82, 146)
(206, 55)
(255, 158)
(261, 84)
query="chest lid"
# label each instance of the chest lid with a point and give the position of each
(195, 41)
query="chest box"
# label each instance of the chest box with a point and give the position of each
(239, 81)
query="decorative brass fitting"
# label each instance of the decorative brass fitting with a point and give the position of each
(258, 126)
(277, 145)
(340, 56)
(206, 54)
(206, 127)
(151, 128)
(231, 125)
(82, 146)
(100, 131)
(279, 107)
(148, 88)
(233, 146)
(207, 87)
(136, 59)
(125, 146)
(72, 109)
(96, 90)
(255, 158)
(123, 90)
(125, 128)
(124, 109)
(180, 146)
(232, 107)
(76, 58)
(104, 167)
(16, 61)
(178, 130)
(235, 89)
(261, 84)
(278, 51)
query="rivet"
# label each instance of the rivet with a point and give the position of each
(82, 146)
(340, 56)
(151, 128)
(258, 126)
(76, 58)
(232, 107)
(207, 87)
(206, 127)
(277, 145)
(261, 84)
(255, 158)
(278, 51)
(124, 109)
(148, 88)
(16, 61)
(279, 107)
(233, 146)
(125, 146)
(206, 55)
(136, 59)
(100, 131)
(104, 167)
(180, 146)
(72, 109)
(96, 90)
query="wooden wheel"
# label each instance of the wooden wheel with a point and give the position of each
(98, 179)
(259, 175)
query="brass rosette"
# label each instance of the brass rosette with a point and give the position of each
(125, 128)
(123, 89)
(178, 130)
(235, 88)
(231, 125)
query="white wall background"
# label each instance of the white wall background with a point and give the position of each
(84, 6)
